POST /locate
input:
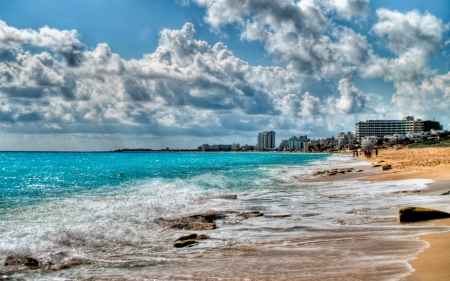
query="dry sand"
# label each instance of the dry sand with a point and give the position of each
(427, 163)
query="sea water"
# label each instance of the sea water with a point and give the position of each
(94, 216)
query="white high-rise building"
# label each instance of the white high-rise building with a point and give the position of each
(266, 140)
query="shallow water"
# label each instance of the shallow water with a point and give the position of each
(95, 213)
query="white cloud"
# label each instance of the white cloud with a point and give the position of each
(413, 37)
(295, 32)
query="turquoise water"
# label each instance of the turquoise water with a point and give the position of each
(38, 176)
(95, 217)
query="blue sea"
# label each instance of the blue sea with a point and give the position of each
(93, 216)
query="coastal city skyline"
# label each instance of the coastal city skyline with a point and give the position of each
(100, 75)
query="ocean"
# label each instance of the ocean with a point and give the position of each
(94, 216)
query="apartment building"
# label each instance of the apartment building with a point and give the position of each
(381, 128)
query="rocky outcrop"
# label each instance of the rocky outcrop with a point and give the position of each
(203, 221)
(412, 214)
(333, 172)
(13, 260)
(185, 243)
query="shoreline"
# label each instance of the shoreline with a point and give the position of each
(428, 163)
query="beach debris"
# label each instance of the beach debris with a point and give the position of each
(185, 243)
(386, 167)
(220, 196)
(247, 215)
(13, 260)
(412, 214)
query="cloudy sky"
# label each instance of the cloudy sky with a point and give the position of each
(109, 74)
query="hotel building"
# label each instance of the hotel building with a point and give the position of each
(381, 128)
(266, 140)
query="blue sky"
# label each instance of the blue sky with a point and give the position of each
(100, 75)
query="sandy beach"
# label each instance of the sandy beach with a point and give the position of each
(426, 163)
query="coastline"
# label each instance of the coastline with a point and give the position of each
(426, 163)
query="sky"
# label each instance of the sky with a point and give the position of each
(108, 74)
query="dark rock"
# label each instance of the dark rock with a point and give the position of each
(412, 214)
(359, 171)
(446, 193)
(376, 165)
(203, 221)
(185, 243)
(247, 215)
(203, 236)
(278, 215)
(187, 237)
(13, 260)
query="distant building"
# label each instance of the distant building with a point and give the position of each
(266, 140)
(293, 143)
(344, 139)
(381, 128)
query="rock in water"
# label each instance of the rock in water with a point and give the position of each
(185, 243)
(247, 215)
(203, 236)
(13, 260)
(187, 237)
(412, 214)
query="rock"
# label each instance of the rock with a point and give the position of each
(203, 236)
(69, 264)
(446, 193)
(381, 161)
(278, 216)
(376, 165)
(187, 237)
(412, 214)
(386, 167)
(359, 171)
(221, 196)
(194, 225)
(349, 170)
(13, 260)
(247, 215)
(185, 243)
(203, 221)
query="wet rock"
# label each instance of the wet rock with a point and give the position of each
(412, 214)
(187, 237)
(185, 243)
(247, 215)
(203, 237)
(386, 167)
(359, 171)
(194, 225)
(376, 165)
(203, 221)
(278, 215)
(13, 260)
(446, 193)
(220, 196)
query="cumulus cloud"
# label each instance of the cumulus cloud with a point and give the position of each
(430, 98)
(297, 32)
(413, 37)
(346, 8)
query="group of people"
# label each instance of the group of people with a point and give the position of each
(367, 153)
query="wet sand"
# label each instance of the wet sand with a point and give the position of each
(427, 163)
